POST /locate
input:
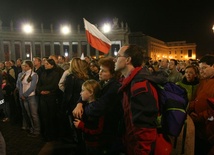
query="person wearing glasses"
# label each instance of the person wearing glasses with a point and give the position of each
(139, 100)
(201, 111)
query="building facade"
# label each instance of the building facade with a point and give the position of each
(14, 43)
(157, 49)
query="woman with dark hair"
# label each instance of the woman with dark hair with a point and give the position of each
(94, 70)
(27, 94)
(48, 90)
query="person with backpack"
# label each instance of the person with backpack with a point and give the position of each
(201, 109)
(186, 139)
(140, 101)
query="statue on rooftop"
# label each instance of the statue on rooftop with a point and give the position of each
(11, 25)
(115, 23)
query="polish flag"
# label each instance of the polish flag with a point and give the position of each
(96, 39)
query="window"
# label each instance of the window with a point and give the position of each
(38, 50)
(6, 52)
(17, 50)
(47, 49)
(189, 53)
(57, 48)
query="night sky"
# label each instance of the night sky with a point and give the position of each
(168, 21)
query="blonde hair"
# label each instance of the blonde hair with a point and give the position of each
(79, 68)
(93, 87)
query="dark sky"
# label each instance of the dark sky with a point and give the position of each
(167, 20)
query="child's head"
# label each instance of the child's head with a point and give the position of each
(90, 90)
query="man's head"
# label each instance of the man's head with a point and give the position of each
(172, 64)
(61, 59)
(128, 57)
(54, 57)
(164, 63)
(19, 62)
(37, 62)
(8, 64)
(206, 66)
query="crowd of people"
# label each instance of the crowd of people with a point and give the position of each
(107, 106)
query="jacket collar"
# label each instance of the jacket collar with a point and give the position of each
(128, 79)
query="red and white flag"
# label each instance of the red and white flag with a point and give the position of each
(96, 39)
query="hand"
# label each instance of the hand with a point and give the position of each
(78, 111)
(23, 98)
(76, 122)
(45, 92)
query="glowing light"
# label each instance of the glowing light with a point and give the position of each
(65, 30)
(27, 28)
(115, 52)
(66, 52)
(106, 28)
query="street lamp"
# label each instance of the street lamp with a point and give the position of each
(65, 29)
(106, 28)
(27, 28)
(115, 52)
(213, 28)
(66, 52)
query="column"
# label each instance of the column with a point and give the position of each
(70, 53)
(42, 49)
(33, 49)
(97, 54)
(61, 48)
(122, 42)
(52, 47)
(23, 53)
(79, 49)
(12, 50)
(88, 50)
(42, 28)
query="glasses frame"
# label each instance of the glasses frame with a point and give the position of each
(117, 56)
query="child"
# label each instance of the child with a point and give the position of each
(91, 125)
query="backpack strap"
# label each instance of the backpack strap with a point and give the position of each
(183, 138)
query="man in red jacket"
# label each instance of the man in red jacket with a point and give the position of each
(139, 101)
